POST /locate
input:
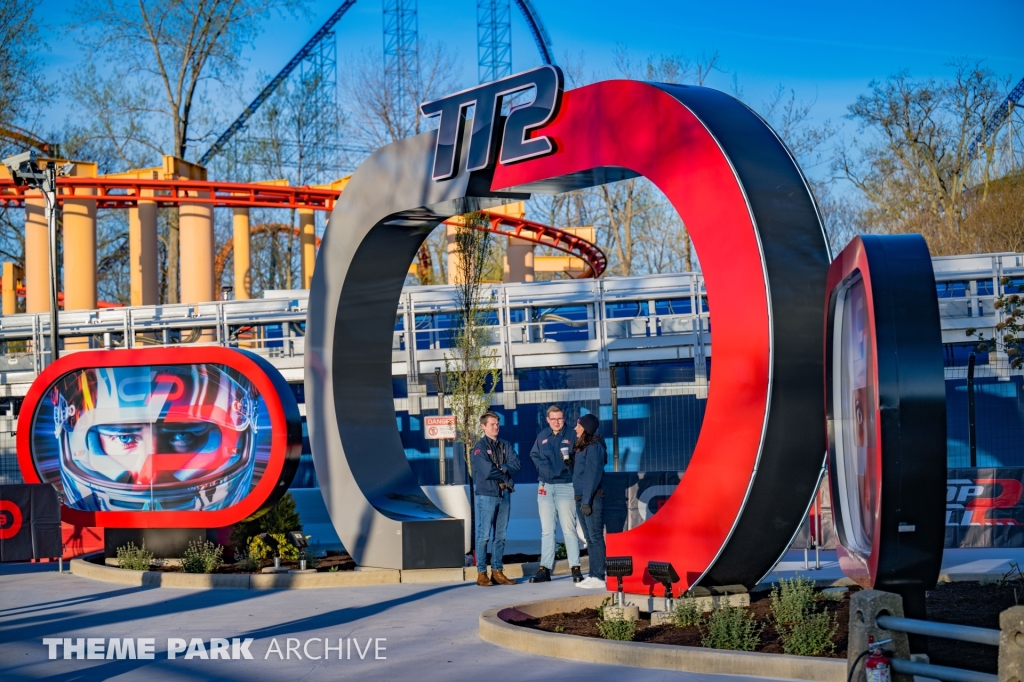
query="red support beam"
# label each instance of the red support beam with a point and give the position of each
(126, 193)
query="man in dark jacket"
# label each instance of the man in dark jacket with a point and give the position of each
(495, 464)
(589, 458)
(550, 454)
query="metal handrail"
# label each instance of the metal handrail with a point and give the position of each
(963, 633)
(939, 672)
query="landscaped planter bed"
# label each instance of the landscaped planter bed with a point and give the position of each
(970, 603)
(339, 561)
(964, 603)
(584, 623)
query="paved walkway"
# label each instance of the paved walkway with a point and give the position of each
(429, 631)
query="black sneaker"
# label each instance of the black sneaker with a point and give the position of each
(543, 575)
(577, 574)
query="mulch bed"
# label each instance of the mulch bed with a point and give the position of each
(967, 603)
(584, 623)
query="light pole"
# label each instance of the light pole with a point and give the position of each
(25, 171)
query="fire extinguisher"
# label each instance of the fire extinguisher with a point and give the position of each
(876, 667)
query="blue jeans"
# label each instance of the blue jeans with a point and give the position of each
(491, 519)
(593, 531)
(556, 499)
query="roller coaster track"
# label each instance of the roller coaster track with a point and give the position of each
(127, 193)
(540, 36)
(995, 122)
(545, 235)
(29, 139)
(221, 259)
(267, 91)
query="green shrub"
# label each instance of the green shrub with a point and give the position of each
(280, 518)
(619, 629)
(134, 558)
(730, 627)
(812, 636)
(802, 630)
(607, 601)
(833, 594)
(560, 551)
(202, 556)
(687, 613)
(247, 561)
(792, 599)
(260, 549)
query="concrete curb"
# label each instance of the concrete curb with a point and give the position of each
(84, 567)
(496, 629)
(244, 581)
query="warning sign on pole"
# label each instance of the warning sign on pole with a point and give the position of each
(440, 428)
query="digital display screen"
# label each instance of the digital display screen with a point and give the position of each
(855, 398)
(189, 437)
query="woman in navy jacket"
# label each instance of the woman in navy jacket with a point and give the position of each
(589, 458)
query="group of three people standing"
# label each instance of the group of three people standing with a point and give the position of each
(570, 468)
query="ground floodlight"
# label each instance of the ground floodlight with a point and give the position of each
(619, 567)
(297, 538)
(663, 572)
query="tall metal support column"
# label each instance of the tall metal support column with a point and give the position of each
(316, 148)
(402, 59)
(493, 39)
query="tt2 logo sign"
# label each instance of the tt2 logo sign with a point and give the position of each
(486, 100)
(983, 501)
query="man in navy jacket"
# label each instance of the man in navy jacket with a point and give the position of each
(495, 464)
(550, 454)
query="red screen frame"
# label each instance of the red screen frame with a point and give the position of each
(278, 407)
(854, 260)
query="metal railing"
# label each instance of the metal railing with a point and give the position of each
(871, 617)
(565, 322)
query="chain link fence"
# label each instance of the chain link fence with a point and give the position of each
(658, 424)
(993, 394)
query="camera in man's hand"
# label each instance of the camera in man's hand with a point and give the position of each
(509, 485)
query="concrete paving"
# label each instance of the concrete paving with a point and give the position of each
(429, 631)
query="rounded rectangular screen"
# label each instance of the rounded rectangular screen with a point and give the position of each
(176, 437)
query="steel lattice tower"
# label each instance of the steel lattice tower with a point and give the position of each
(401, 59)
(493, 39)
(319, 72)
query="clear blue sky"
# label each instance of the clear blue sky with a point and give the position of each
(822, 50)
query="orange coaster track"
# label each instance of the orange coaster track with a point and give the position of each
(126, 193)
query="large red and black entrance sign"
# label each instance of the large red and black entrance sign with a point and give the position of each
(764, 258)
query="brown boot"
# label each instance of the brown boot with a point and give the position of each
(498, 578)
(482, 580)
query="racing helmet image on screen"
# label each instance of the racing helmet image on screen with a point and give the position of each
(176, 438)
